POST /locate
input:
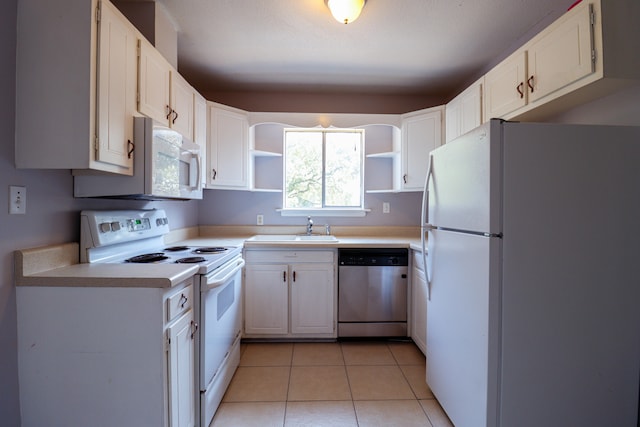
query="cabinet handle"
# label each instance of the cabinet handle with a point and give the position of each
(183, 300)
(404, 178)
(175, 116)
(530, 83)
(169, 111)
(194, 328)
(284, 276)
(214, 173)
(519, 89)
(294, 276)
(131, 146)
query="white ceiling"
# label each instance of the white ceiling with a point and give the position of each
(432, 47)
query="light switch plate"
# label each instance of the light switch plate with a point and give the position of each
(17, 200)
(385, 207)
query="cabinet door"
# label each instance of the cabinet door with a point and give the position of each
(182, 102)
(464, 112)
(419, 309)
(228, 149)
(266, 299)
(505, 87)
(421, 134)
(562, 56)
(312, 298)
(182, 371)
(117, 80)
(452, 120)
(154, 77)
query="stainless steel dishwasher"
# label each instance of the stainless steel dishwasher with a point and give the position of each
(372, 292)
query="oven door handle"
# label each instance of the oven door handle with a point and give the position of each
(217, 281)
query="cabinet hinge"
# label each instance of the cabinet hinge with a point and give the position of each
(593, 56)
(167, 343)
(98, 13)
(592, 17)
(96, 145)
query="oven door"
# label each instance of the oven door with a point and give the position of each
(220, 317)
(175, 164)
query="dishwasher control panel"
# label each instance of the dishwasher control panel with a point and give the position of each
(373, 256)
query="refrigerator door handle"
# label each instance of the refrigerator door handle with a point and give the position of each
(426, 227)
(425, 194)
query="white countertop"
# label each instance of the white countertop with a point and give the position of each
(58, 265)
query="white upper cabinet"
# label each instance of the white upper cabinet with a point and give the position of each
(117, 86)
(583, 55)
(464, 112)
(421, 134)
(504, 86)
(154, 91)
(183, 105)
(228, 146)
(562, 56)
(164, 95)
(76, 85)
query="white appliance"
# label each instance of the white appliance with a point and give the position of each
(137, 236)
(533, 275)
(166, 166)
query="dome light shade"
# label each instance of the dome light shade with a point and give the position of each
(345, 11)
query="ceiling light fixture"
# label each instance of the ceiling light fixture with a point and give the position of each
(345, 11)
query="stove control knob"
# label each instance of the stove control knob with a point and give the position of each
(115, 226)
(105, 227)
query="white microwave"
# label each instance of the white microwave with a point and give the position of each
(166, 166)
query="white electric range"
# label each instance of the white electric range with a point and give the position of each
(137, 236)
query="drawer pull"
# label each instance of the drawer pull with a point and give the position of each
(183, 300)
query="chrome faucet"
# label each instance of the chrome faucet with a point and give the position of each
(309, 225)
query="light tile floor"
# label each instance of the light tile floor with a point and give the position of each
(330, 384)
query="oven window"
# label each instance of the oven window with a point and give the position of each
(226, 298)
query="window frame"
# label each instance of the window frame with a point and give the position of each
(347, 211)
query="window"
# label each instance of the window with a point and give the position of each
(323, 169)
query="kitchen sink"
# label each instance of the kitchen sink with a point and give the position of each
(317, 237)
(293, 238)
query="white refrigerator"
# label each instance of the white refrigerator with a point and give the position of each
(533, 268)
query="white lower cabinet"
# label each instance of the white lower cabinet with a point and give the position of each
(419, 303)
(108, 356)
(290, 294)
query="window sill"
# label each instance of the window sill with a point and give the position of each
(324, 212)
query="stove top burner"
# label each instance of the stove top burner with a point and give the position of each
(190, 260)
(146, 258)
(176, 248)
(209, 250)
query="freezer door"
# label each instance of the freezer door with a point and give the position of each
(462, 325)
(465, 185)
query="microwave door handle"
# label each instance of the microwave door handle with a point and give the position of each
(199, 162)
(195, 185)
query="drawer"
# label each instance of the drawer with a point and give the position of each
(288, 256)
(179, 302)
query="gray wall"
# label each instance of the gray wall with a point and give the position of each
(223, 207)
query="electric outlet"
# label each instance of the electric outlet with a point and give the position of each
(260, 220)
(17, 200)
(385, 207)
